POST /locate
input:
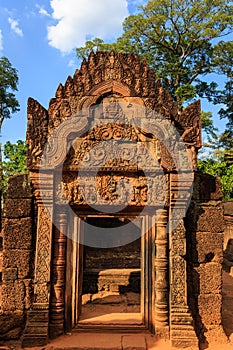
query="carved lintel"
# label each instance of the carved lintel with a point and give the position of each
(109, 188)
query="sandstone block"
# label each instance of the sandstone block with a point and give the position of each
(17, 208)
(206, 247)
(134, 342)
(13, 294)
(10, 274)
(20, 259)
(215, 335)
(11, 325)
(18, 233)
(210, 308)
(19, 187)
(207, 278)
(228, 208)
(206, 187)
(205, 218)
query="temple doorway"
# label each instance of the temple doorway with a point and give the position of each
(108, 284)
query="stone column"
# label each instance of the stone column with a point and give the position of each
(161, 274)
(182, 332)
(36, 331)
(58, 277)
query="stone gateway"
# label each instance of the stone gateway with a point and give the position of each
(114, 228)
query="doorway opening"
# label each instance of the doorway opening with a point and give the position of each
(111, 286)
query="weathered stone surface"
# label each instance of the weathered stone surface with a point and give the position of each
(19, 186)
(132, 342)
(18, 233)
(206, 187)
(207, 278)
(228, 208)
(20, 259)
(17, 208)
(10, 274)
(13, 294)
(215, 335)
(209, 307)
(205, 218)
(11, 324)
(206, 247)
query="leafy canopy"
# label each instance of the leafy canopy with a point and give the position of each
(8, 84)
(177, 38)
(222, 170)
(14, 161)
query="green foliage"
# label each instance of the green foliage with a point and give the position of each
(222, 170)
(176, 38)
(8, 83)
(14, 161)
(209, 128)
(95, 45)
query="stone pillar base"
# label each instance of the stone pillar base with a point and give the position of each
(36, 331)
(182, 333)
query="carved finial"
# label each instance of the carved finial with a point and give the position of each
(91, 59)
(84, 66)
(69, 86)
(60, 91)
(112, 59)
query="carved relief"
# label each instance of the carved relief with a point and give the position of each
(113, 189)
(42, 275)
(113, 163)
(178, 294)
(178, 262)
(123, 77)
(36, 132)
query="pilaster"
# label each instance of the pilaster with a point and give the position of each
(182, 333)
(36, 331)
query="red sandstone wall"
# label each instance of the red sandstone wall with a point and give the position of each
(205, 235)
(18, 259)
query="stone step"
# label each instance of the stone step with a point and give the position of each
(96, 341)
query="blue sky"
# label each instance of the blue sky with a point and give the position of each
(39, 38)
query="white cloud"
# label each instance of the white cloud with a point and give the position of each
(72, 63)
(14, 26)
(1, 41)
(42, 11)
(81, 19)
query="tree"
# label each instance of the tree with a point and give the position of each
(8, 83)
(220, 169)
(14, 161)
(178, 39)
(8, 102)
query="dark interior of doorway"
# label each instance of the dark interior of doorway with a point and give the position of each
(111, 287)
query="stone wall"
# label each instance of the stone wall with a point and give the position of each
(18, 259)
(205, 235)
